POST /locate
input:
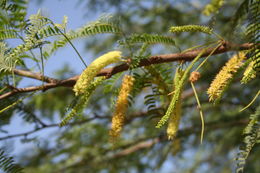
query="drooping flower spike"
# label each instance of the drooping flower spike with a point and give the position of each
(88, 75)
(225, 75)
(121, 106)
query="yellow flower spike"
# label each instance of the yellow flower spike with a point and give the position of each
(83, 101)
(121, 106)
(213, 7)
(191, 28)
(225, 75)
(91, 71)
(174, 120)
(249, 73)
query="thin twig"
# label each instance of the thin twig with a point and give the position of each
(201, 113)
(34, 75)
(51, 126)
(257, 94)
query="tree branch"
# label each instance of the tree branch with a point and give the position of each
(187, 56)
(34, 75)
(149, 142)
(184, 132)
(51, 126)
(108, 72)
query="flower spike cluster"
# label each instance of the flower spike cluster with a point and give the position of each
(191, 28)
(225, 75)
(249, 73)
(213, 7)
(121, 106)
(83, 101)
(91, 71)
(86, 84)
(174, 120)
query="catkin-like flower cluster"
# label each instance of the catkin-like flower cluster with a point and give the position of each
(213, 7)
(83, 101)
(249, 73)
(225, 75)
(191, 28)
(173, 123)
(121, 106)
(91, 71)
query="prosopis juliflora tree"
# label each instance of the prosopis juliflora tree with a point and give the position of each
(151, 100)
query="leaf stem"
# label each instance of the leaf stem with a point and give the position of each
(257, 94)
(82, 60)
(201, 113)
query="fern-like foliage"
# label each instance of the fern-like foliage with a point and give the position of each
(151, 99)
(8, 7)
(101, 26)
(31, 40)
(160, 77)
(12, 19)
(240, 13)
(153, 96)
(252, 136)
(253, 32)
(37, 29)
(48, 31)
(5, 64)
(251, 9)
(7, 164)
(159, 83)
(14, 12)
(7, 33)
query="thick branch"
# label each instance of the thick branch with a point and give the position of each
(187, 56)
(157, 59)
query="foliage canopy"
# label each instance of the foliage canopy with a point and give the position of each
(181, 90)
